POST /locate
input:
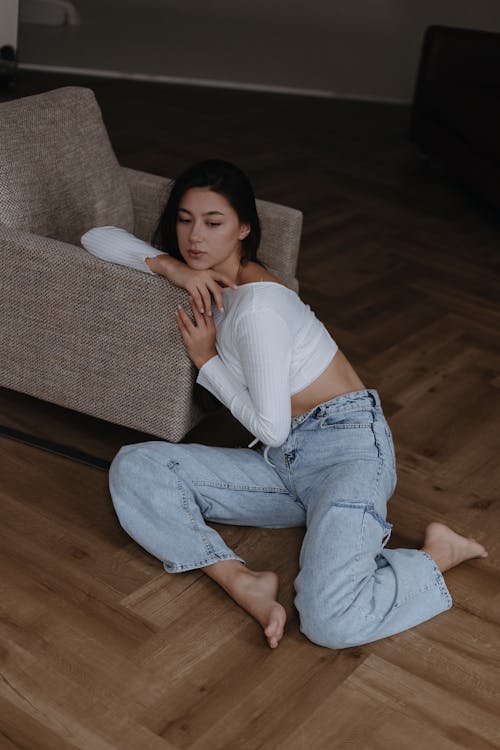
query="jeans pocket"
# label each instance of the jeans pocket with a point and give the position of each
(347, 420)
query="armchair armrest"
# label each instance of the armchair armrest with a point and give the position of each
(93, 336)
(281, 233)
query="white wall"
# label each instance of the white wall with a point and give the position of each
(361, 48)
(8, 22)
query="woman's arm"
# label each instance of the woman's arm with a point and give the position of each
(117, 245)
(202, 285)
(262, 403)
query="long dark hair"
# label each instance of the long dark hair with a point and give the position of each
(224, 178)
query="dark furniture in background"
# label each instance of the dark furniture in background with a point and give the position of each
(8, 66)
(456, 108)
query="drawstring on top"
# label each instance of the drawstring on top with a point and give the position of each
(266, 459)
(266, 451)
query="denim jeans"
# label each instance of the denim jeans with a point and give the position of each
(333, 474)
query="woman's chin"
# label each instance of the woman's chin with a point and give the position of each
(198, 264)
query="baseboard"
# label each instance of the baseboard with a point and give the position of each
(206, 82)
(59, 449)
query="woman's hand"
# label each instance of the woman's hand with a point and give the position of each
(201, 285)
(198, 337)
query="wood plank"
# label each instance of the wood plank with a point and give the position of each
(395, 707)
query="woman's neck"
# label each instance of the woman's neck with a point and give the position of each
(232, 268)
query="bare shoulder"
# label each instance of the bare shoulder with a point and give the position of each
(251, 272)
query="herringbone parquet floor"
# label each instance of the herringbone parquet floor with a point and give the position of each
(99, 648)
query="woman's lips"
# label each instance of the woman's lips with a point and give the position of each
(195, 253)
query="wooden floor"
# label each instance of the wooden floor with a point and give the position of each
(102, 650)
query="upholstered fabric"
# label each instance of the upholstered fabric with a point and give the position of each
(58, 173)
(149, 195)
(279, 246)
(93, 336)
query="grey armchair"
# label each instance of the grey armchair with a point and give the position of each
(88, 335)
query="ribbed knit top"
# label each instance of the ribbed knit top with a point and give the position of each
(270, 345)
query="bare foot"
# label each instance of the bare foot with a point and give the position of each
(448, 548)
(255, 592)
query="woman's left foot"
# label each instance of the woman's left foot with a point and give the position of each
(447, 548)
(257, 593)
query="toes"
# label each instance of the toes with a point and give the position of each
(274, 632)
(273, 642)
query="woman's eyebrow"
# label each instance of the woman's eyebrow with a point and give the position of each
(207, 213)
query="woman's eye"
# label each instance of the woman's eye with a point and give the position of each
(183, 221)
(213, 224)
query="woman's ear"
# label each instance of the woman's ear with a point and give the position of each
(244, 231)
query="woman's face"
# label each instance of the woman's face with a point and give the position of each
(209, 232)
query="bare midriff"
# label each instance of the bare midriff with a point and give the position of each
(338, 378)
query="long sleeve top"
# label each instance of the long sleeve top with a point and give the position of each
(270, 345)
(116, 245)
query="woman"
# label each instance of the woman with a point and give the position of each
(324, 458)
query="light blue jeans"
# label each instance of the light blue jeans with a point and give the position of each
(334, 474)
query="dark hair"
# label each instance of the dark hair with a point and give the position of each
(224, 178)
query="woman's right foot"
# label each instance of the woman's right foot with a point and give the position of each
(447, 548)
(255, 592)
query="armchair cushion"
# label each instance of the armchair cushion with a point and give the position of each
(58, 173)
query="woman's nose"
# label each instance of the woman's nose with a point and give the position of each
(195, 232)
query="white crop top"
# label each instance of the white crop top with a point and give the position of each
(270, 345)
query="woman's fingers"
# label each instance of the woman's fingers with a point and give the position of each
(198, 316)
(208, 288)
(184, 318)
(197, 295)
(179, 317)
(186, 325)
(203, 299)
(204, 293)
(224, 280)
(198, 336)
(216, 292)
(217, 286)
(184, 321)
